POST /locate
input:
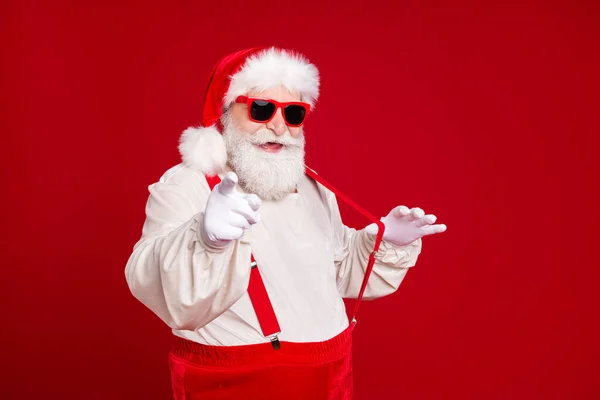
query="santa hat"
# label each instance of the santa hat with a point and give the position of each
(259, 68)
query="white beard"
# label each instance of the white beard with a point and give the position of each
(271, 176)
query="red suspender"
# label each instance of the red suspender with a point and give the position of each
(262, 305)
(378, 238)
(256, 288)
(258, 293)
(212, 181)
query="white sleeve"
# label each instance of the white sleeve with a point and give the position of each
(352, 250)
(173, 272)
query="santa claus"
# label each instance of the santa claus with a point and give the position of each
(244, 254)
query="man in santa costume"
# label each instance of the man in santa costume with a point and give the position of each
(244, 254)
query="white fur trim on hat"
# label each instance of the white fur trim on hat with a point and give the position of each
(273, 67)
(203, 149)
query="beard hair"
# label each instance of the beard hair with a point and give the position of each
(271, 176)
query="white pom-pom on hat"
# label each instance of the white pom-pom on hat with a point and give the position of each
(203, 149)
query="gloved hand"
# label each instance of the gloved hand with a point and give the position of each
(403, 225)
(228, 213)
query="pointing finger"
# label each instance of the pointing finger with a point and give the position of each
(228, 183)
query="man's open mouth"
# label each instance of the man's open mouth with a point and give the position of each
(271, 146)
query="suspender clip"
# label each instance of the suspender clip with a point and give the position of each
(275, 342)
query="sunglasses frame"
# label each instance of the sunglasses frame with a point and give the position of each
(249, 100)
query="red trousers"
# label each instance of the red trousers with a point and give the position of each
(307, 371)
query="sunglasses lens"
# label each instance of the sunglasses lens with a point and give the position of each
(294, 114)
(261, 110)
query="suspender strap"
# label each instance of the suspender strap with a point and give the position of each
(212, 181)
(378, 238)
(258, 293)
(262, 305)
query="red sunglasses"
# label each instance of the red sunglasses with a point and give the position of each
(263, 110)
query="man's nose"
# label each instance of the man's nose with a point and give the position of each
(277, 124)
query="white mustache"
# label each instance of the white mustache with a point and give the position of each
(265, 135)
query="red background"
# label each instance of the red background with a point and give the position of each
(483, 113)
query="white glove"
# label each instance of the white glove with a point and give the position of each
(228, 213)
(403, 226)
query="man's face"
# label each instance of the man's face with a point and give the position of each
(277, 124)
(267, 157)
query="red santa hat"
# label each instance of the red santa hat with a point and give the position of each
(236, 74)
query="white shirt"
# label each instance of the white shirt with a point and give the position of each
(308, 259)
